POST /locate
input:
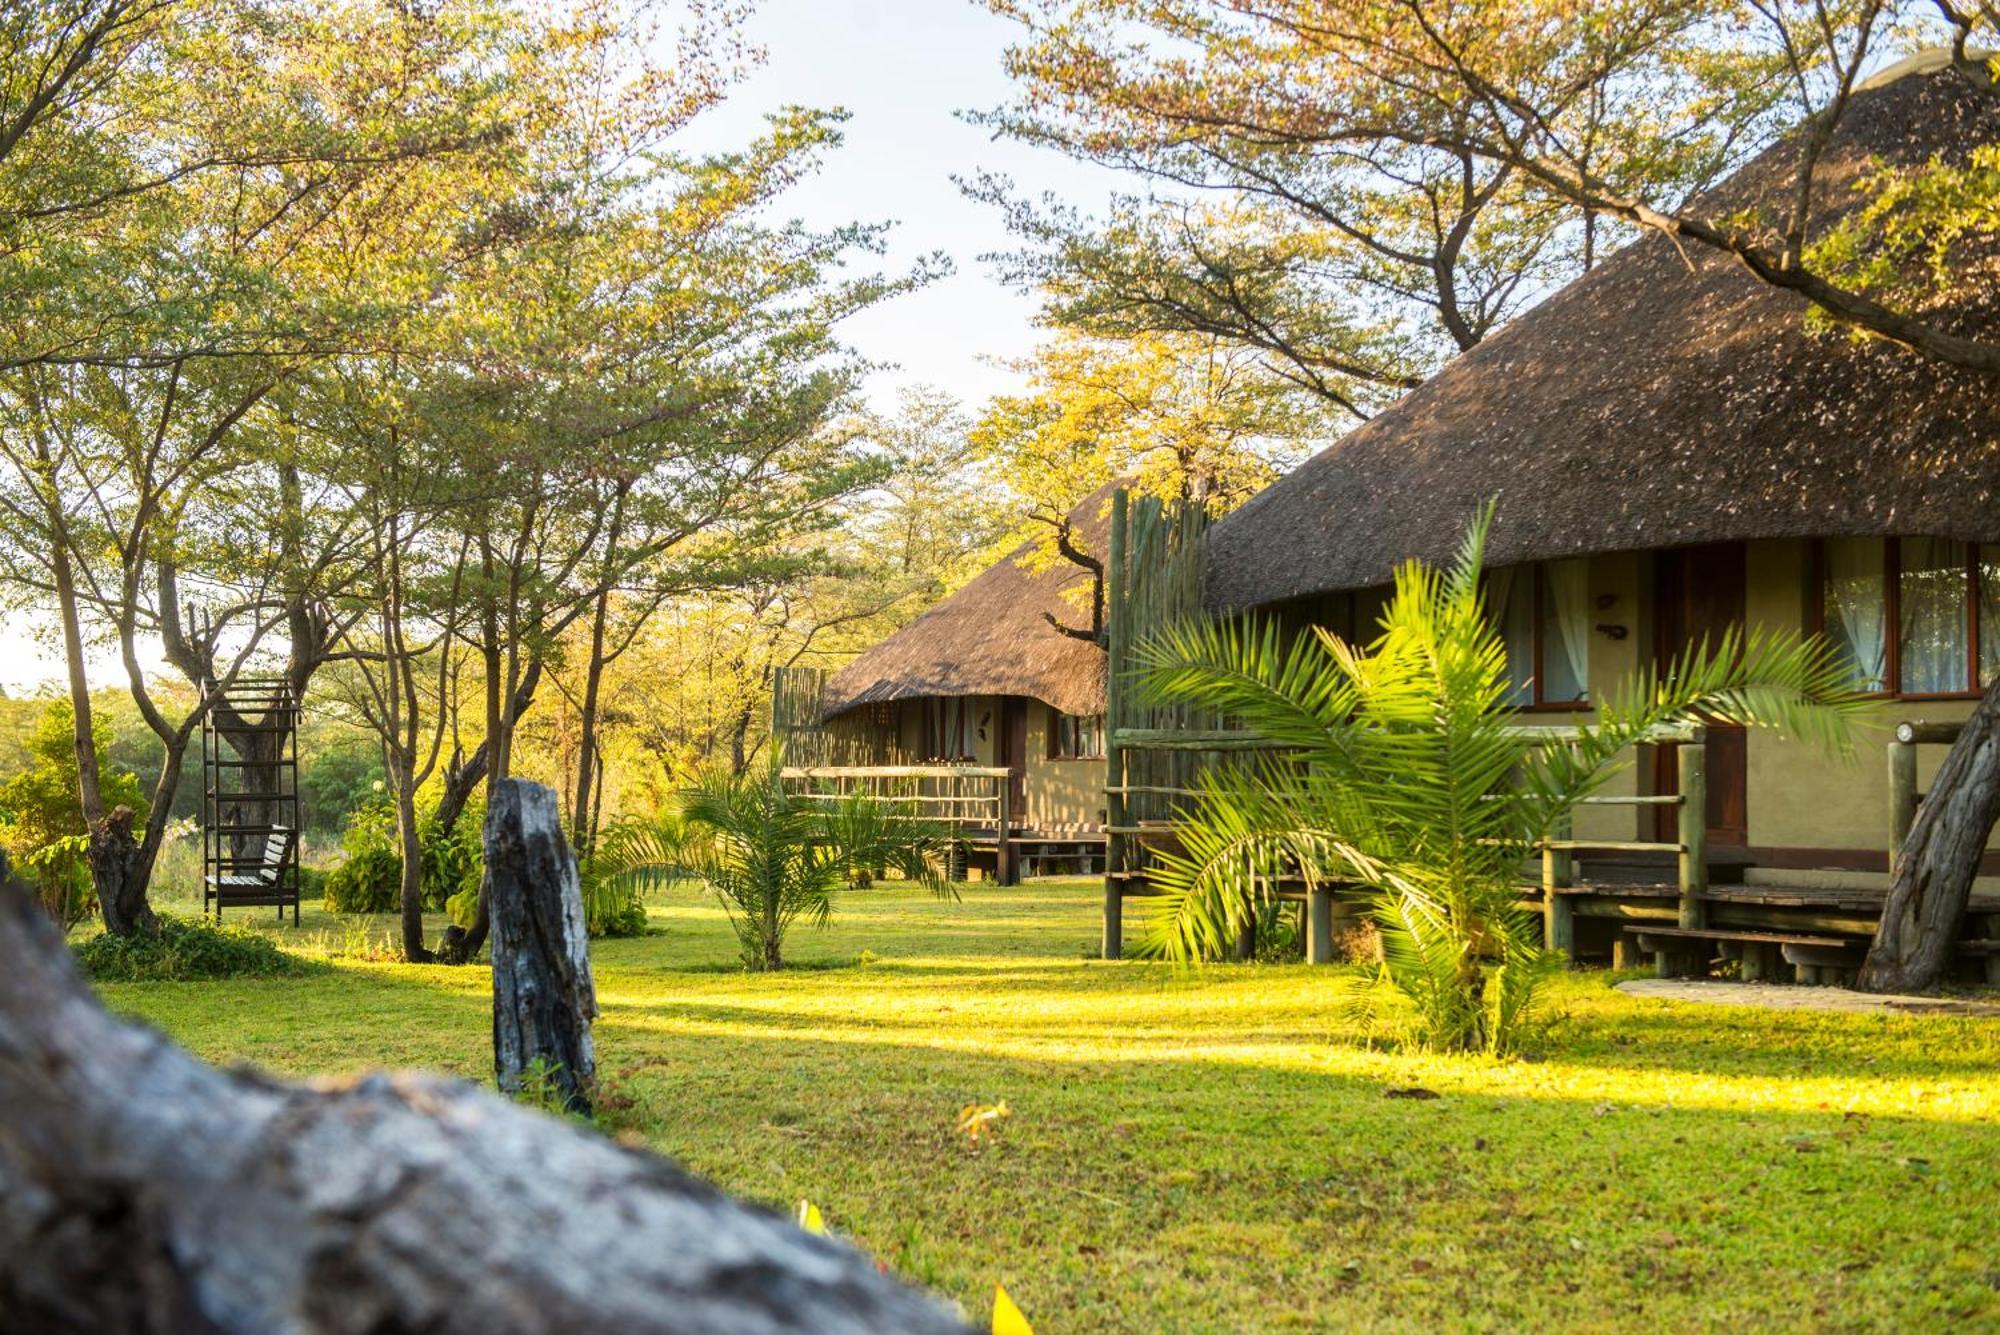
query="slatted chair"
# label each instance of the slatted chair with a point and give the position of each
(256, 881)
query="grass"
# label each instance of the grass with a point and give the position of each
(1212, 1150)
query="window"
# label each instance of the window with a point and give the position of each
(1911, 616)
(1076, 737)
(1543, 615)
(949, 734)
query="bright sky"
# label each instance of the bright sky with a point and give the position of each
(903, 69)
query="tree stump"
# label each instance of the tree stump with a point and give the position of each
(142, 1190)
(543, 999)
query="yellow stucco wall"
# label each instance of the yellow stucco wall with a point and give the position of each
(1060, 792)
(1799, 796)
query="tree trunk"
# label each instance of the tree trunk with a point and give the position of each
(117, 869)
(586, 748)
(543, 998)
(1925, 908)
(410, 900)
(144, 1191)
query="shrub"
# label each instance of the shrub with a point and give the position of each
(368, 882)
(612, 905)
(1405, 771)
(186, 950)
(770, 855)
(450, 865)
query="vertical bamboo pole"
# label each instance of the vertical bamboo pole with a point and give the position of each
(1114, 719)
(1319, 923)
(1902, 790)
(1558, 914)
(1003, 850)
(1693, 763)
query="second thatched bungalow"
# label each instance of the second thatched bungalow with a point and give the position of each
(983, 708)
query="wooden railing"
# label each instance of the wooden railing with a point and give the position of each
(961, 798)
(1690, 845)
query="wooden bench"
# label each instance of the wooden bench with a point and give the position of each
(1815, 958)
(255, 881)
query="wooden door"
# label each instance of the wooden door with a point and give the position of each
(1012, 752)
(1697, 593)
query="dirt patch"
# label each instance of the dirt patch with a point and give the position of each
(1784, 997)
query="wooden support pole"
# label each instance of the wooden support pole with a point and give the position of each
(1693, 763)
(1003, 851)
(1558, 871)
(1246, 938)
(1319, 926)
(1902, 794)
(1116, 847)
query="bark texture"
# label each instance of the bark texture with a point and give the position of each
(543, 999)
(118, 874)
(142, 1190)
(1925, 908)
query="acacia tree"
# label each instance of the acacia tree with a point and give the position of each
(1184, 417)
(1354, 265)
(232, 194)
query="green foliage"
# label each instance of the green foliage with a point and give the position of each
(371, 878)
(369, 881)
(41, 813)
(769, 855)
(334, 781)
(1404, 772)
(187, 950)
(612, 905)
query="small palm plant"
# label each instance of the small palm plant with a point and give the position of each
(1402, 771)
(772, 855)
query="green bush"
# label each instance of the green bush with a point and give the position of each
(450, 865)
(368, 882)
(612, 906)
(187, 950)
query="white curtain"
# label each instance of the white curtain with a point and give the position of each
(1566, 660)
(1934, 615)
(1510, 605)
(1856, 601)
(1989, 614)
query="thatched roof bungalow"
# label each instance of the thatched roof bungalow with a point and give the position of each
(984, 679)
(1671, 447)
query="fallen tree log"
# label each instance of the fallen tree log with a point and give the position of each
(143, 1190)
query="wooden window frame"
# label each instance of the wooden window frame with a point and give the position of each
(1892, 612)
(1538, 703)
(941, 714)
(1056, 752)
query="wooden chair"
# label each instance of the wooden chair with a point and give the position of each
(256, 881)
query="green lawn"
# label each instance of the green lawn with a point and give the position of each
(1214, 1151)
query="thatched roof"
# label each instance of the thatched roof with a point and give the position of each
(991, 638)
(1646, 406)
